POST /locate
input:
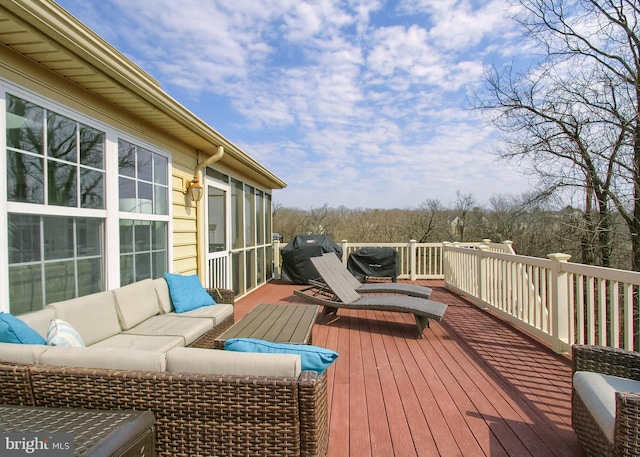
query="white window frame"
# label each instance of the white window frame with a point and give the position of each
(111, 214)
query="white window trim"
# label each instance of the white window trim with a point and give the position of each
(111, 214)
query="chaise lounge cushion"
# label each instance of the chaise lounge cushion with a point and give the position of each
(187, 293)
(94, 316)
(214, 361)
(598, 392)
(312, 357)
(108, 358)
(136, 302)
(14, 330)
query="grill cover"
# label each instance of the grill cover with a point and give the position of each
(374, 262)
(296, 266)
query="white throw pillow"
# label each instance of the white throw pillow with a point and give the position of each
(61, 333)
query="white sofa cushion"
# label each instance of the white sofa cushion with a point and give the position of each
(598, 392)
(136, 303)
(217, 313)
(141, 342)
(39, 320)
(108, 358)
(170, 324)
(195, 360)
(163, 295)
(94, 316)
(21, 353)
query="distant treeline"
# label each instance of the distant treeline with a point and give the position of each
(535, 230)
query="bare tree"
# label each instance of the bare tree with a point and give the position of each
(573, 118)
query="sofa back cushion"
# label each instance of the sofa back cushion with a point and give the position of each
(136, 303)
(39, 320)
(93, 316)
(215, 361)
(162, 293)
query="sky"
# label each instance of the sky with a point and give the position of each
(354, 103)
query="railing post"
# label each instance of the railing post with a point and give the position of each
(276, 259)
(345, 245)
(509, 245)
(413, 262)
(559, 315)
(482, 272)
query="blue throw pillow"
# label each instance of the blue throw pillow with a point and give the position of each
(13, 330)
(311, 357)
(187, 293)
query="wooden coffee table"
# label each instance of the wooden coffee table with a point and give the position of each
(276, 323)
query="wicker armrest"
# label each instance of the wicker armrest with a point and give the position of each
(227, 296)
(627, 428)
(606, 360)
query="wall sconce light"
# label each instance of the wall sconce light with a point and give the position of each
(195, 190)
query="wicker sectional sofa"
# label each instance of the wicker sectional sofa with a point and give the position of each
(205, 401)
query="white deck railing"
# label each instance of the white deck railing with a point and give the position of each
(560, 302)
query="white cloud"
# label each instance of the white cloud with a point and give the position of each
(355, 103)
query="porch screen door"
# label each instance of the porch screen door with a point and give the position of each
(217, 236)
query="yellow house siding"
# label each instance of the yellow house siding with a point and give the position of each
(185, 246)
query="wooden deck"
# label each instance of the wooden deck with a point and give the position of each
(473, 386)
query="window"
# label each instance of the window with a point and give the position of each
(57, 201)
(55, 161)
(52, 159)
(144, 193)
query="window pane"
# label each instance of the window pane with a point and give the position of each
(91, 189)
(24, 238)
(162, 200)
(259, 217)
(59, 278)
(25, 288)
(62, 184)
(126, 159)
(89, 237)
(159, 236)
(160, 173)
(237, 240)
(159, 263)
(25, 178)
(126, 236)
(142, 237)
(249, 216)
(24, 125)
(90, 276)
(144, 164)
(127, 189)
(59, 240)
(91, 147)
(143, 266)
(61, 138)
(126, 269)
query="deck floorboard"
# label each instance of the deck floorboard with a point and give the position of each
(472, 386)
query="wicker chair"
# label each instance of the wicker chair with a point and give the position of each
(613, 362)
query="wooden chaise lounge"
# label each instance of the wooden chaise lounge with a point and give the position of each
(337, 269)
(338, 293)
